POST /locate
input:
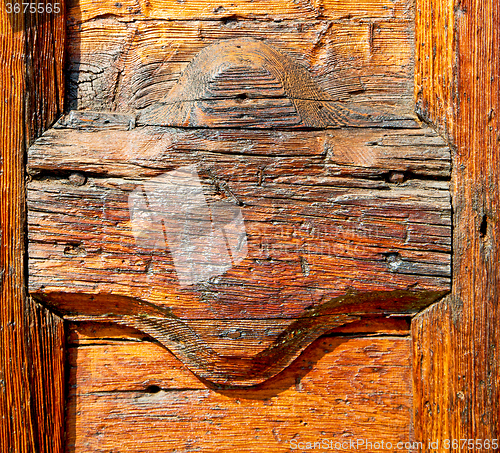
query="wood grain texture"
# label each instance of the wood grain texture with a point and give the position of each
(436, 62)
(14, 350)
(45, 61)
(31, 349)
(435, 396)
(44, 103)
(238, 340)
(461, 399)
(365, 10)
(373, 244)
(339, 389)
(276, 194)
(215, 364)
(127, 66)
(48, 359)
(91, 142)
(249, 83)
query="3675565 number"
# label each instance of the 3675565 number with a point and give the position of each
(33, 8)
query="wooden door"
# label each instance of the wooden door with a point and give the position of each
(317, 103)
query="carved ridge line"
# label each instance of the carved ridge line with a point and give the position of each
(175, 335)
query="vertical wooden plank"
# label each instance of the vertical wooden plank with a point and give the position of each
(47, 378)
(435, 63)
(456, 344)
(44, 102)
(433, 374)
(31, 339)
(16, 429)
(45, 35)
(476, 194)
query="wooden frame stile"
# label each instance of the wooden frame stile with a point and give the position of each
(456, 350)
(456, 342)
(31, 338)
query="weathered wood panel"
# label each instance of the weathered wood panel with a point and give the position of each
(92, 145)
(435, 397)
(115, 65)
(225, 10)
(31, 340)
(370, 219)
(328, 238)
(45, 60)
(44, 103)
(246, 82)
(461, 401)
(339, 389)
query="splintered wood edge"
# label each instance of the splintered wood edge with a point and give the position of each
(177, 336)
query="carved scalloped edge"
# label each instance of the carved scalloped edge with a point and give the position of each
(175, 335)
